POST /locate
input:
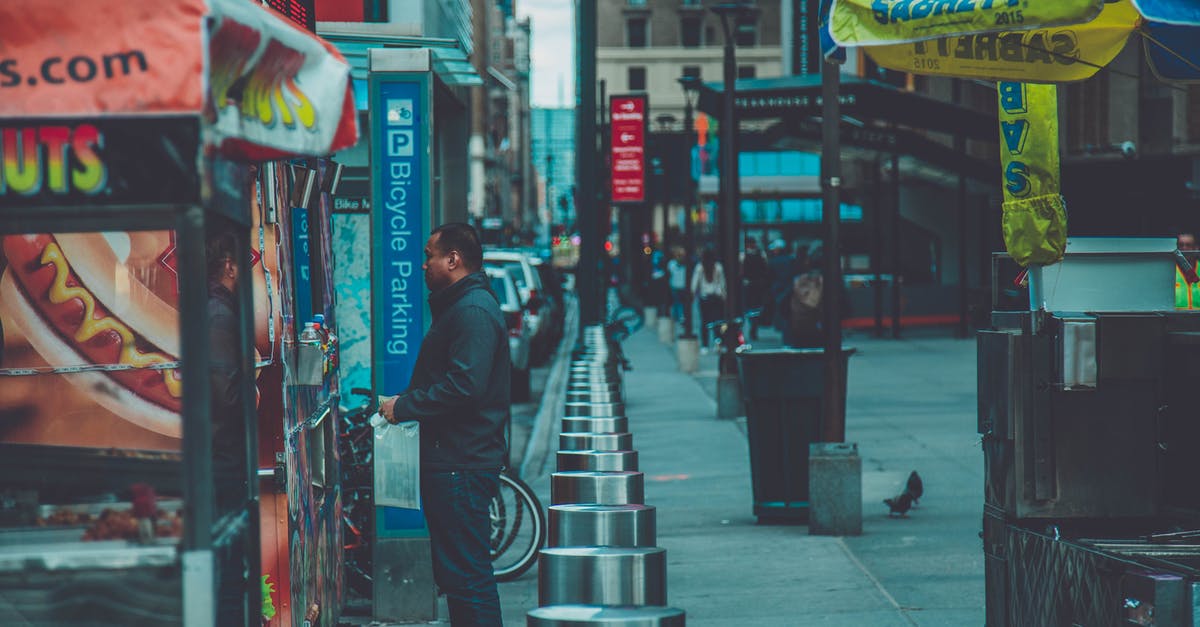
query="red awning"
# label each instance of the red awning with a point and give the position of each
(266, 88)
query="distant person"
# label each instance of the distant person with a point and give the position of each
(780, 270)
(677, 279)
(708, 285)
(659, 295)
(756, 280)
(459, 392)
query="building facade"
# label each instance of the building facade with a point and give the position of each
(645, 46)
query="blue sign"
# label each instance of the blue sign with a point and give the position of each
(302, 264)
(400, 212)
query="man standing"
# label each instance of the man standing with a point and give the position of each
(459, 392)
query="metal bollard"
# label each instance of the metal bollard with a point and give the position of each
(595, 441)
(602, 576)
(601, 488)
(593, 410)
(600, 461)
(602, 525)
(609, 424)
(594, 396)
(582, 615)
(587, 382)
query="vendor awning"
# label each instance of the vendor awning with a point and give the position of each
(800, 97)
(266, 88)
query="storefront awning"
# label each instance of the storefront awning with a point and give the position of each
(266, 88)
(799, 97)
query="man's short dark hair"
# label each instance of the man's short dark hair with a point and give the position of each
(221, 246)
(463, 238)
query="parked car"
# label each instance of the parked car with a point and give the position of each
(519, 334)
(554, 291)
(529, 285)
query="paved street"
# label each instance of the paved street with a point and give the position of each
(911, 406)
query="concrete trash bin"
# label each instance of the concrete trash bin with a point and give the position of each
(783, 390)
(834, 489)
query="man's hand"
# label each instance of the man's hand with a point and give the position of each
(385, 409)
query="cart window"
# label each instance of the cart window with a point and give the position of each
(90, 327)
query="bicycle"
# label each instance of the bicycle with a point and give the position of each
(357, 449)
(518, 521)
(518, 528)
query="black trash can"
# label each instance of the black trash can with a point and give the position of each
(784, 394)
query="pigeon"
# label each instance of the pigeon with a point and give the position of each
(899, 504)
(915, 487)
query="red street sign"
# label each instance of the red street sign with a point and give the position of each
(628, 152)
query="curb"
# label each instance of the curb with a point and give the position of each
(552, 395)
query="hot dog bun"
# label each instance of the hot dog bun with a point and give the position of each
(106, 390)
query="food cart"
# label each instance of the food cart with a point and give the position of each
(150, 269)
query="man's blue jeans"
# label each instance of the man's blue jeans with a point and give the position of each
(456, 509)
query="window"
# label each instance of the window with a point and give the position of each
(636, 32)
(635, 3)
(637, 78)
(747, 32)
(689, 31)
(746, 71)
(710, 35)
(691, 71)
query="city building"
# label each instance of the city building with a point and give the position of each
(553, 131)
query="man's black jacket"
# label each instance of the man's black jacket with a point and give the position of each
(460, 384)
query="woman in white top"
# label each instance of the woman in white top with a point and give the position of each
(708, 285)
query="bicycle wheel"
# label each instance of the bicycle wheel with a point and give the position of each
(518, 528)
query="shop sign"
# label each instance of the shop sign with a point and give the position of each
(628, 148)
(78, 162)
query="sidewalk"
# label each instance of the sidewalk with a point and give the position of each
(911, 406)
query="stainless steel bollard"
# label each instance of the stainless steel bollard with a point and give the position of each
(603, 379)
(602, 576)
(582, 615)
(602, 461)
(601, 488)
(602, 525)
(584, 384)
(594, 396)
(595, 441)
(593, 410)
(609, 424)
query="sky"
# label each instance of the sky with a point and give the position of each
(553, 50)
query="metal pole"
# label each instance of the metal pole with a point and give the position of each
(877, 258)
(589, 271)
(834, 424)
(896, 239)
(689, 238)
(729, 182)
(960, 147)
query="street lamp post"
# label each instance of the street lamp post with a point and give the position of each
(690, 86)
(731, 14)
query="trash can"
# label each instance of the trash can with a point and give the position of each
(784, 394)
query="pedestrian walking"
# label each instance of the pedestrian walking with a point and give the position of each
(708, 284)
(459, 392)
(756, 279)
